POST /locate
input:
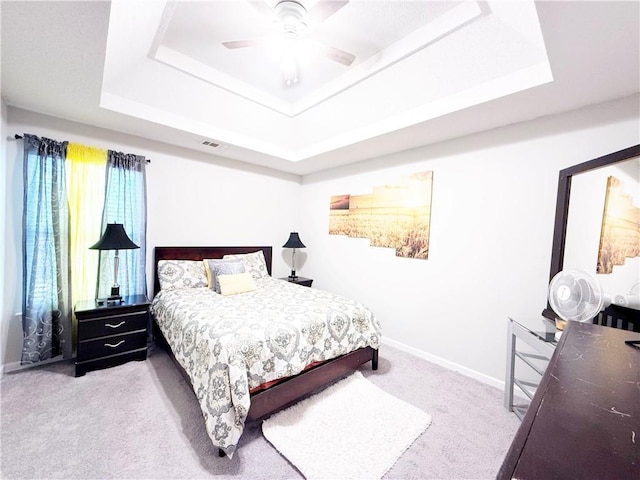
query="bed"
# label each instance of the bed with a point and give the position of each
(251, 353)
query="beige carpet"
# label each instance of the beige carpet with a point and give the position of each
(351, 430)
(142, 421)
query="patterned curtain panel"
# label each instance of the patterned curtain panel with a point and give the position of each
(126, 203)
(46, 310)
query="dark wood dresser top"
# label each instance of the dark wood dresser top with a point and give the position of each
(584, 420)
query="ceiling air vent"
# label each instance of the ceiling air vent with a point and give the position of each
(210, 144)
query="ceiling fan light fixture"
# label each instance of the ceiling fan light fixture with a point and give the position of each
(290, 45)
(289, 59)
(290, 14)
(290, 72)
(290, 78)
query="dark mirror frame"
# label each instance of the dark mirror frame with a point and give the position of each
(562, 206)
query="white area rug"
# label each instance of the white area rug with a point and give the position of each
(351, 430)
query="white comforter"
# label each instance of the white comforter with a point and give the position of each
(231, 344)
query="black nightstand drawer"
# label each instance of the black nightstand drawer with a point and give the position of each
(112, 325)
(112, 345)
(110, 361)
(111, 334)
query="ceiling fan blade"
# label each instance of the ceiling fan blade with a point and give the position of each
(323, 10)
(242, 43)
(337, 55)
(263, 8)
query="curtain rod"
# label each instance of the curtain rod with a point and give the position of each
(19, 137)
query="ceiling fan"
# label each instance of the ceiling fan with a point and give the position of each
(294, 23)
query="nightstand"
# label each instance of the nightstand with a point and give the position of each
(305, 282)
(110, 335)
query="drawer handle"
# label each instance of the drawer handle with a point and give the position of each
(115, 326)
(114, 346)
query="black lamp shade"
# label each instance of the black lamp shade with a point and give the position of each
(294, 241)
(114, 238)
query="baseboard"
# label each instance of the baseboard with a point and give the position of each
(481, 377)
(12, 367)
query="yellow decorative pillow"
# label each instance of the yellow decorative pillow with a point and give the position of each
(236, 283)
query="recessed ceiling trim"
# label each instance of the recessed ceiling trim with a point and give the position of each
(405, 47)
(160, 116)
(424, 87)
(167, 13)
(219, 79)
(521, 80)
(410, 44)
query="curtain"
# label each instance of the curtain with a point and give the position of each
(46, 310)
(67, 203)
(125, 202)
(85, 167)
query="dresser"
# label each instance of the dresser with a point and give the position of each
(584, 419)
(109, 335)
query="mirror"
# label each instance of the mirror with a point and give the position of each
(579, 213)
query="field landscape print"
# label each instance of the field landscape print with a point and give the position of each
(620, 234)
(392, 216)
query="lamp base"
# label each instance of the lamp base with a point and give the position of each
(110, 300)
(293, 276)
(113, 299)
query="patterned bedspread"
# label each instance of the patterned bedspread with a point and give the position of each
(231, 344)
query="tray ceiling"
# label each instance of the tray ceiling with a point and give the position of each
(423, 71)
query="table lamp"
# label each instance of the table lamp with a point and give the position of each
(293, 242)
(114, 238)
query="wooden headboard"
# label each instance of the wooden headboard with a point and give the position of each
(200, 253)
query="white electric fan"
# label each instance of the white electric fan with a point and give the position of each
(576, 295)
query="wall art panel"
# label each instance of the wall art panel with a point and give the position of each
(620, 234)
(391, 216)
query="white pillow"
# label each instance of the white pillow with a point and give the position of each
(236, 283)
(254, 263)
(174, 274)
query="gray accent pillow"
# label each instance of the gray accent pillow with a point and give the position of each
(217, 266)
(254, 263)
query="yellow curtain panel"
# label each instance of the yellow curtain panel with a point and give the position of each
(85, 170)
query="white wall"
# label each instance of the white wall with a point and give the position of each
(492, 222)
(493, 211)
(193, 199)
